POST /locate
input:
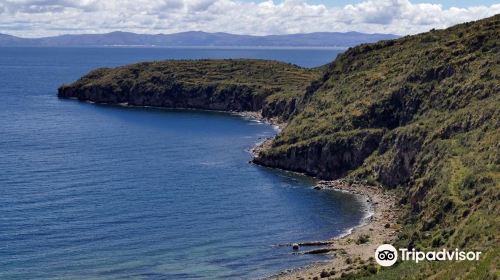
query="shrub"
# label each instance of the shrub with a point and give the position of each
(362, 239)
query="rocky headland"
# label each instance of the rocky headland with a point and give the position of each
(268, 87)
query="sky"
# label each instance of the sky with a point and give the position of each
(445, 4)
(38, 18)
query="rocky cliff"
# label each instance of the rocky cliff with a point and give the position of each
(227, 85)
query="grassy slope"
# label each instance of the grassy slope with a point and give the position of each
(436, 99)
(263, 73)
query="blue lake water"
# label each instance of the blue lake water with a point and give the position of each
(102, 192)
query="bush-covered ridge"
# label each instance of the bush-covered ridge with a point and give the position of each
(419, 114)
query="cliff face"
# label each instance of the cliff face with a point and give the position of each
(227, 85)
(211, 97)
(420, 114)
(330, 157)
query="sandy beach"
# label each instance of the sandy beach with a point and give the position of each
(354, 251)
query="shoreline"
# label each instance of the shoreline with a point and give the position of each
(274, 122)
(343, 249)
(354, 250)
(253, 115)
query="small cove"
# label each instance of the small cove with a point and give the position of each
(105, 192)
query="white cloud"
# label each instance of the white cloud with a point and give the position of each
(51, 17)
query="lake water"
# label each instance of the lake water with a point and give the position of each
(102, 192)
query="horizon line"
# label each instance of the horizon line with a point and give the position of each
(199, 31)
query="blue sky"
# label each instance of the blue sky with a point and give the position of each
(36, 18)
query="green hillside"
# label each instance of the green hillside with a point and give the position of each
(420, 114)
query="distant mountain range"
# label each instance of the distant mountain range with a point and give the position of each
(198, 39)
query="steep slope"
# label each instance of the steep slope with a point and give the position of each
(421, 114)
(229, 85)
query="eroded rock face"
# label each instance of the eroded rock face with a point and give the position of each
(282, 108)
(403, 149)
(93, 93)
(325, 159)
(230, 98)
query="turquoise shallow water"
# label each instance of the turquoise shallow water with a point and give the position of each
(100, 192)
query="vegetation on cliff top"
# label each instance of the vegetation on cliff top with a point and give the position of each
(235, 85)
(419, 114)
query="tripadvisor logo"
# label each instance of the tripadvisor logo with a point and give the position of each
(387, 255)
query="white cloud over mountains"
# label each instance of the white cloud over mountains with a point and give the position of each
(51, 17)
